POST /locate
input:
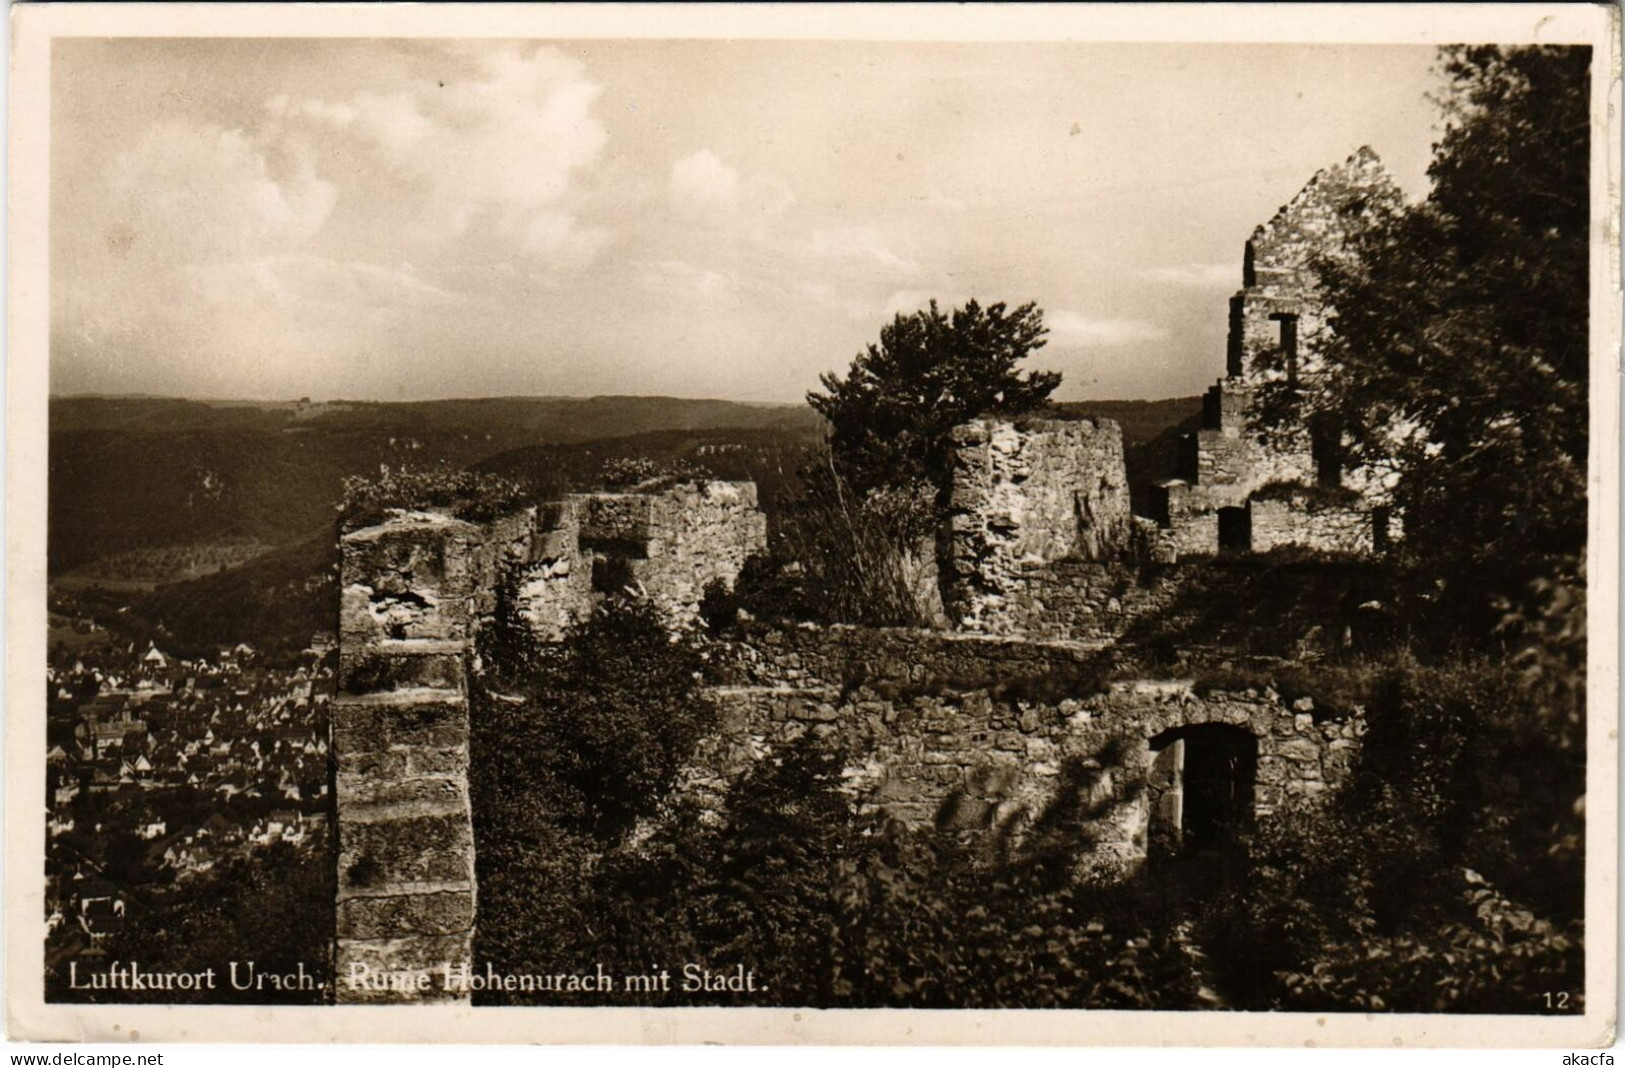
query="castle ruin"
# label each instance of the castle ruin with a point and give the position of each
(1277, 322)
(970, 729)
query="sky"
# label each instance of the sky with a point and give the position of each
(416, 219)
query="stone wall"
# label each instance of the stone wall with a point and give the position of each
(670, 543)
(973, 743)
(1027, 494)
(1279, 279)
(1084, 600)
(1301, 520)
(412, 590)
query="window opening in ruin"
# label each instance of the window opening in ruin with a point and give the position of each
(611, 574)
(1201, 788)
(1235, 530)
(1288, 343)
(1381, 517)
(1327, 448)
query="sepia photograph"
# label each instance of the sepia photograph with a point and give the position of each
(695, 516)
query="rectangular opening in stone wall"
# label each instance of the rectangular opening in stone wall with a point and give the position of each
(1221, 765)
(611, 574)
(1234, 349)
(1235, 530)
(1190, 457)
(1380, 518)
(1201, 787)
(1288, 343)
(1159, 505)
(1326, 448)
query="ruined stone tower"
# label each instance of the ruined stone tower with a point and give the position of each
(1038, 515)
(1277, 321)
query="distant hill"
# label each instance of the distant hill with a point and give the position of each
(770, 458)
(1151, 434)
(138, 473)
(275, 601)
(1141, 420)
(142, 484)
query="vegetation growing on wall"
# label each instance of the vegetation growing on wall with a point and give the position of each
(1411, 888)
(472, 495)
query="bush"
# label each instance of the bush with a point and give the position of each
(600, 724)
(858, 554)
(471, 495)
(627, 472)
(1412, 890)
(891, 419)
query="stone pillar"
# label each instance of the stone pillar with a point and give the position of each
(400, 727)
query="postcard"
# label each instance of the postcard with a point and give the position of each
(970, 524)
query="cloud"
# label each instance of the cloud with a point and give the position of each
(187, 191)
(863, 245)
(909, 301)
(1069, 327)
(500, 147)
(683, 279)
(1202, 275)
(296, 281)
(558, 237)
(702, 182)
(824, 295)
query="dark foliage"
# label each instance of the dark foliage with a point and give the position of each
(596, 728)
(1446, 877)
(273, 908)
(1458, 353)
(891, 417)
(719, 609)
(826, 908)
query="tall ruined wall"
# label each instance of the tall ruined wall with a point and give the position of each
(987, 736)
(1277, 327)
(1024, 495)
(412, 591)
(1278, 276)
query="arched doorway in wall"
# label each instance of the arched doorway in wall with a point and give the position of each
(1201, 789)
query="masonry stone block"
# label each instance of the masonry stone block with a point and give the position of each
(444, 912)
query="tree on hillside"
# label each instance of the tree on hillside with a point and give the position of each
(1458, 352)
(891, 416)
